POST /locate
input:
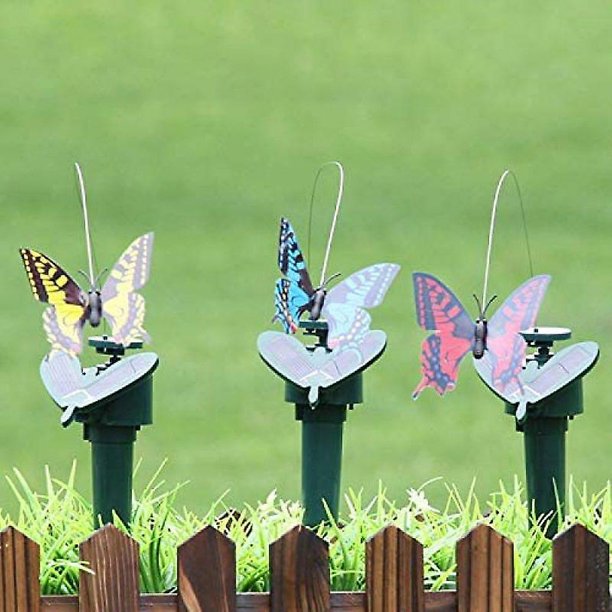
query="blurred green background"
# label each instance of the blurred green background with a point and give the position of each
(206, 122)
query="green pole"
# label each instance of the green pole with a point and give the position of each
(545, 466)
(112, 453)
(322, 432)
(544, 429)
(111, 427)
(322, 435)
(323, 421)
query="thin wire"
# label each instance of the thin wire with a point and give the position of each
(492, 230)
(83, 197)
(335, 217)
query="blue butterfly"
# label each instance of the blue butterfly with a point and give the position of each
(343, 307)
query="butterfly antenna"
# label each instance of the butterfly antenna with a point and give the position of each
(83, 197)
(479, 305)
(330, 279)
(100, 277)
(84, 275)
(492, 231)
(491, 300)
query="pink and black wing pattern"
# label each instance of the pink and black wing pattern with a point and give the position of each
(292, 294)
(344, 304)
(506, 348)
(439, 310)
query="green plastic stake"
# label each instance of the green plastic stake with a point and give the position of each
(544, 440)
(112, 454)
(322, 437)
(322, 384)
(322, 433)
(111, 427)
(544, 431)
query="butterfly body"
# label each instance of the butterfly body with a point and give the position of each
(316, 303)
(342, 306)
(480, 338)
(70, 307)
(456, 333)
(94, 307)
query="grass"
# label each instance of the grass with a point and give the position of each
(206, 122)
(60, 518)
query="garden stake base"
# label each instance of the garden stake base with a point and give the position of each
(322, 420)
(111, 426)
(542, 399)
(112, 456)
(322, 433)
(544, 439)
(544, 427)
(322, 436)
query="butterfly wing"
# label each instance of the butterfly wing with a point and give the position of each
(123, 308)
(344, 304)
(48, 280)
(505, 346)
(439, 310)
(64, 320)
(290, 301)
(290, 258)
(292, 294)
(346, 323)
(131, 272)
(63, 325)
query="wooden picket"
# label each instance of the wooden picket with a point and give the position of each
(19, 569)
(394, 572)
(299, 572)
(207, 573)
(580, 571)
(485, 572)
(113, 558)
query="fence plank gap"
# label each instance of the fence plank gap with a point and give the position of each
(231, 519)
(299, 573)
(113, 557)
(207, 573)
(485, 572)
(19, 572)
(394, 572)
(580, 571)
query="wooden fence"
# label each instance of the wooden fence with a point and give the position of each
(300, 576)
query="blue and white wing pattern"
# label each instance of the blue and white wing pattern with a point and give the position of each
(292, 293)
(345, 303)
(290, 301)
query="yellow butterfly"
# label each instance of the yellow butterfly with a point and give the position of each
(70, 306)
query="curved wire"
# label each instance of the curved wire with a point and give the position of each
(83, 196)
(492, 230)
(335, 217)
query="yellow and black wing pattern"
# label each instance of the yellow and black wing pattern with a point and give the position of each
(63, 321)
(122, 307)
